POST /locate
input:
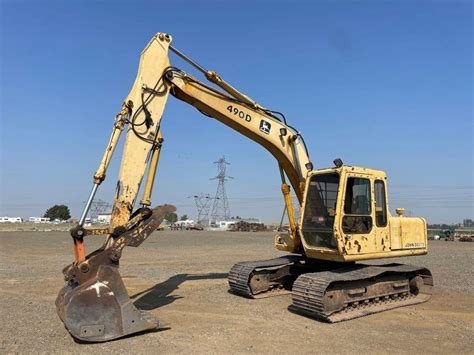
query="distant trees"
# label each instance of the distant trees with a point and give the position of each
(171, 217)
(184, 217)
(60, 212)
(442, 226)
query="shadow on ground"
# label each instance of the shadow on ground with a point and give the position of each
(160, 294)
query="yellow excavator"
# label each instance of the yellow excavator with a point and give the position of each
(344, 216)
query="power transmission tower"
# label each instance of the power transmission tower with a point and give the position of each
(203, 204)
(220, 207)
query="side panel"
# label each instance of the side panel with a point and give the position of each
(395, 233)
(408, 233)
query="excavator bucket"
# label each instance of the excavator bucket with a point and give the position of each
(94, 304)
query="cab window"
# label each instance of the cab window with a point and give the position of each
(357, 206)
(320, 210)
(380, 204)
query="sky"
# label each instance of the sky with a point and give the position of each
(381, 84)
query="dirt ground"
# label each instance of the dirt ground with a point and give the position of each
(181, 278)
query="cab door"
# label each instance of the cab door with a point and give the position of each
(357, 223)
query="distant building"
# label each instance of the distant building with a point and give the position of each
(185, 223)
(104, 218)
(248, 220)
(228, 225)
(11, 220)
(39, 219)
(468, 223)
(222, 225)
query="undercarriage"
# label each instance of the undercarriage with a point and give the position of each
(331, 291)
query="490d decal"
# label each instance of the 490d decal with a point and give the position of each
(240, 113)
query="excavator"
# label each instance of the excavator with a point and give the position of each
(343, 220)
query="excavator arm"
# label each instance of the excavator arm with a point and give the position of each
(94, 304)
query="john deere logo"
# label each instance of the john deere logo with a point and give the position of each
(265, 126)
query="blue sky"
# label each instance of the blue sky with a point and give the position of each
(386, 85)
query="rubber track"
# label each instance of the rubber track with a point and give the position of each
(239, 274)
(309, 290)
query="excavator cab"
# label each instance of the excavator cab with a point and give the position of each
(345, 217)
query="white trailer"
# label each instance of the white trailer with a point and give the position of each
(11, 219)
(39, 220)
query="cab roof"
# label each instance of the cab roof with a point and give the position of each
(351, 168)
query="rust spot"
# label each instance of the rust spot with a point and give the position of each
(359, 247)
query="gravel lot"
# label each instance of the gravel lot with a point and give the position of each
(181, 278)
